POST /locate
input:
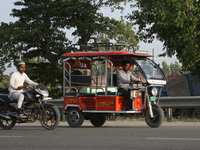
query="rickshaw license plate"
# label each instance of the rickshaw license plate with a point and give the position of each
(153, 98)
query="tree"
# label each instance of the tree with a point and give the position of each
(4, 84)
(88, 21)
(175, 68)
(35, 70)
(174, 22)
(121, 32)
(39, 31)
(165, 67)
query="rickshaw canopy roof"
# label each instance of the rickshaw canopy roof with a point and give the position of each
(105, 53)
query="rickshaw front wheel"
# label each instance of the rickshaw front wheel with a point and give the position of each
(158, 117)
(75, 117)
(98, 120)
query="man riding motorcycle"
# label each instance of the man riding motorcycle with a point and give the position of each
(16, 85)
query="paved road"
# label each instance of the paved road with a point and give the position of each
(117, 135)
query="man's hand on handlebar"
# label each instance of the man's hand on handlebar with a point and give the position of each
(20, 87)
(137, 82)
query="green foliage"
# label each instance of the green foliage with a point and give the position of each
(165, 67)
(4, 84)
(39, 32)
(88, 21)
(55, 92)
(175, 68)
(120, 32)
(35, 70)
(174, 22)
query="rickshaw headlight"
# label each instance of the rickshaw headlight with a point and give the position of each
(135, 94)
(154, 91)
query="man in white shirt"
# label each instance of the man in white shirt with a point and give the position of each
(17, 80)
(124, 79)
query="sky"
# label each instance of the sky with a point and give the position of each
(7, 5)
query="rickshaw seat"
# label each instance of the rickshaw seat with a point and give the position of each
(79, 80)
(110, 93)
(70, 94)
(120, 94)
(80, 94)
(114, 79)
(86, 95)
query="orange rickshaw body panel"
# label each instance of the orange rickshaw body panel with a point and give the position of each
(115, 103)
(138, 103)
(112, 103)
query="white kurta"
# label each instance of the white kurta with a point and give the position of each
(17, 79)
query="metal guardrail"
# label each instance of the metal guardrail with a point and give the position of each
(180, 102)
(57, 102)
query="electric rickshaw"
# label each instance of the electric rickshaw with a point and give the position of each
(90, 84)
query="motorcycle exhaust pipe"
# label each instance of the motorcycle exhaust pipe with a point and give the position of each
(5, 116)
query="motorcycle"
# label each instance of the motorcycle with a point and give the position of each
(34, 107)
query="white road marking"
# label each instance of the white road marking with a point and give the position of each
(11, 136)
(178, 139)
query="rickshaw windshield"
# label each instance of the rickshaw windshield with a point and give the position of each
(150, 69)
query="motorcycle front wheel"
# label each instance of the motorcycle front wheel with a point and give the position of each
(7, 124)
(50, 118)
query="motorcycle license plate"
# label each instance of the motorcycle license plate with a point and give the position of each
(153, 98)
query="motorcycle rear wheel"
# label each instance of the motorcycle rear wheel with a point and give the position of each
(52, 119)
(7, 124)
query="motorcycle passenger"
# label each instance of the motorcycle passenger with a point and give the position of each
(124, 78)
(17, 80)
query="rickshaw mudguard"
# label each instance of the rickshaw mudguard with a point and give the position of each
(71, 102)
(156, 105)
(72, 106)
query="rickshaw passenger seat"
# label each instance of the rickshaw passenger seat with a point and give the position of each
(120, 94)
(79, 95)
(114, 80)
(80, 80)
(86, 95)
(70, 94)
(109, 93)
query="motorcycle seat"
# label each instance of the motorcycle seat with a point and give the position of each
(7, 99)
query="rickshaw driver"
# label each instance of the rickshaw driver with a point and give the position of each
(124, 78)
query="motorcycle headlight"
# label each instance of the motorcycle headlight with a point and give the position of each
(154, 91)
(135, 94)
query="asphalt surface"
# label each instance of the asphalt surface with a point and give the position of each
(116, 135)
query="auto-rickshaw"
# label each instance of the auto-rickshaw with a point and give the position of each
(90, 84)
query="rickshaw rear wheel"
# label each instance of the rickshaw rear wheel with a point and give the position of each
(98, 120)
(158, 117)
(75, 117)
